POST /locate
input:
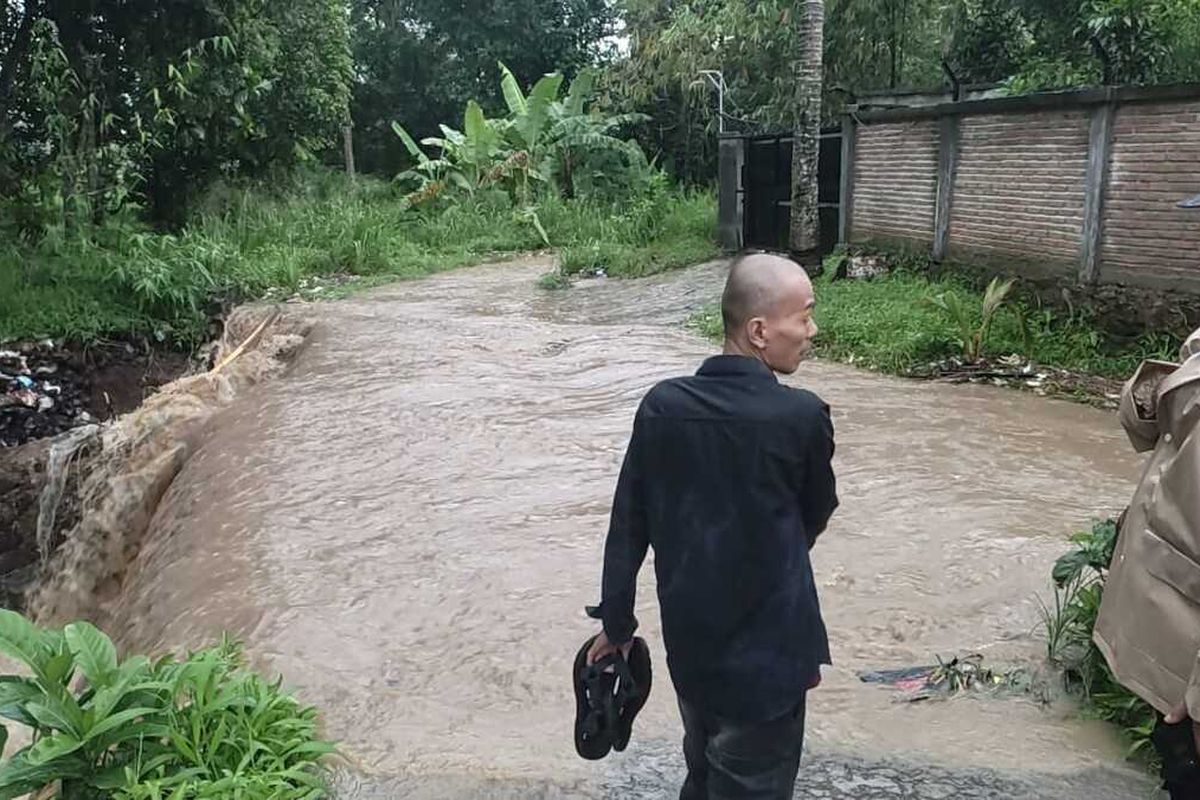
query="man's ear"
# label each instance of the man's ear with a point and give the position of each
(756, 332)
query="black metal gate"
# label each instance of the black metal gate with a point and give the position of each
(766, 188)
(767, 192)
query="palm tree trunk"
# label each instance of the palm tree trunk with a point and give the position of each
(809, 17)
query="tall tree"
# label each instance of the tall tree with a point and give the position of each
(809, 17)
(986, 40)
(421, 60)
(117, 97)
(882, 44)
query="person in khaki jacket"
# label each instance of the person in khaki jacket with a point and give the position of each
(1149, 623)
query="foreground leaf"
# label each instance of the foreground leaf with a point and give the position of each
(15, 693)
(20, 639)
(93, 651)
(52, 747)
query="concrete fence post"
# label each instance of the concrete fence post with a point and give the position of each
(1095, 188)
(948, 140)
(846, 190)
(731, 156)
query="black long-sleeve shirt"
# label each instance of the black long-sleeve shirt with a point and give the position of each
(728, 476)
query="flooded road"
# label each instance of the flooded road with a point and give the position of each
(409, 525)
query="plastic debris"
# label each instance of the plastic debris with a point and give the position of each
(26, 397)
(42, 392)
(966, 673)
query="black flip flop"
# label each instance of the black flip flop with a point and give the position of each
(607, 700)
(596, 715)
(633, 690)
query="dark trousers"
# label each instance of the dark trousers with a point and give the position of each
(1180, 762)
(730, 760)
(1182, 791)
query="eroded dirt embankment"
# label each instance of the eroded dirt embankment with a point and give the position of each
(74, 506)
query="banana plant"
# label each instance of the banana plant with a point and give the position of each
(588, 143)
(558, 133)
(465, 157)
(573, 136)
(427, 171)
(545, 137)
(470, 152)
(529, 126)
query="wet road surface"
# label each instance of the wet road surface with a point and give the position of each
(409, 524)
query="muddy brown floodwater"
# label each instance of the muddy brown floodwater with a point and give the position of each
(409, 525)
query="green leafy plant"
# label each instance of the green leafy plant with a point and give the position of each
(1092, 557)
(973, 326)
(200, 727)
(544, 140)
(1134, 35)
(1079, 577)
(555, 280)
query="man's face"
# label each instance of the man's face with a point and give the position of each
(788, 331)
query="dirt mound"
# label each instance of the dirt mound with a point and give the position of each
(134, 459)
(22, 476)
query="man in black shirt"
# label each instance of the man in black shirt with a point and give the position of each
(728, 476)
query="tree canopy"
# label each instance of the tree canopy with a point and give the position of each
(101, 99)
(107, 104)
(422, 60)
(872, 45)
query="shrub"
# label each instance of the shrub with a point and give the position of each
(184, 729)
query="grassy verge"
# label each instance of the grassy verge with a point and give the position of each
(886, 324)
(242, 243)
(656, 233)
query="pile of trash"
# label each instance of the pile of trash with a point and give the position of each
(1017, 372)
(946, 678)
(39, 395)
(311, 288)
(862, 267)
(967, 675)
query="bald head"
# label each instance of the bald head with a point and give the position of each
(767, 311)
(756, 285)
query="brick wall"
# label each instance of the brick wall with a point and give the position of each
(895, 183)
(1155, 163)
(1019, 189)
(1077, 186)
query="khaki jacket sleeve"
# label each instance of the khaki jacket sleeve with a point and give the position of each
(1141, 427)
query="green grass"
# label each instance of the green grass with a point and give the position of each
(886, 325)
(660, 232)
(243, 242)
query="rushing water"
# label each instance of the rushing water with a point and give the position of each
(409, 525)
